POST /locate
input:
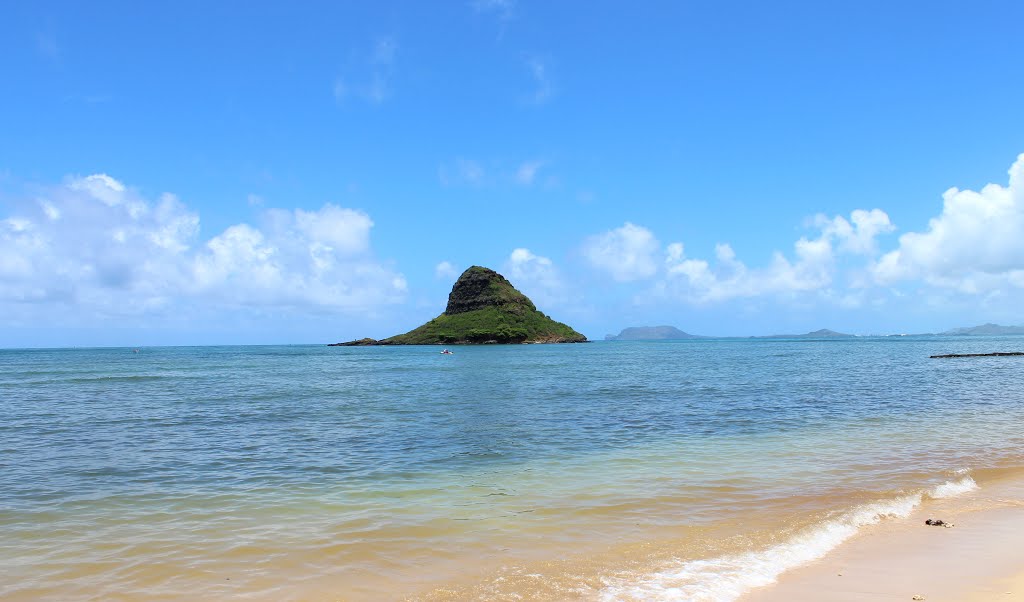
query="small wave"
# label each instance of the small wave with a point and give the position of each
(727, 578)
(61, 380)
(953, 488)
(125, 378)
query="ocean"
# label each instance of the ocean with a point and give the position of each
(675, 470)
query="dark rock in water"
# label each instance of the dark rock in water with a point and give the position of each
(934, 522)
(997, 354)
(359, 343)
(483, 308)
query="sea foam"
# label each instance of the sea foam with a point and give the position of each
(953, 488)
(727, 578)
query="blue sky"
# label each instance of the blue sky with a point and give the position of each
(180, 174)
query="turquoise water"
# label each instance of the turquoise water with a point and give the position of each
(308, 472)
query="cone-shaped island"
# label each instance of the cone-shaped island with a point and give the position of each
(484, 307)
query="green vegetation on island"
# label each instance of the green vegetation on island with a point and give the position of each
(484, 307)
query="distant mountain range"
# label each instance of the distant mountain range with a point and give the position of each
(671, 333)
(985, 329)
(824, 333)
(667, 333)
(651, 333)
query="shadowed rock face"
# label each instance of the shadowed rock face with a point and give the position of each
(479, 287)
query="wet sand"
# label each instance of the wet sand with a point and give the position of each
(980, 559)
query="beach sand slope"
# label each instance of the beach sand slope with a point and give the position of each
(980, 559)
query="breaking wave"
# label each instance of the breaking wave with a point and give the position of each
(727, 578)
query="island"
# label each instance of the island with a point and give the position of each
(651, 333)
(824, 333)
(483, 308)
(671, 333)
(985, 330)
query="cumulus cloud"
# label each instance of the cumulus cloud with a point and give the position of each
(627, 253)
(461, 172)
(95, 243)
(445, 271)
(858, 235)
(813, 265)
(537, 277)
(527, 172)
(372, 82)
(502, 9)
(474, 173)
(698, 280)
(46, 45)
(974, 245)
(384, 51)
(543, 85)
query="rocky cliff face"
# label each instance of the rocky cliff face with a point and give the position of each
(479, 287)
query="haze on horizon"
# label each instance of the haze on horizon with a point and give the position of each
(181, 174)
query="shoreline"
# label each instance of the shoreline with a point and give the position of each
(980, 559)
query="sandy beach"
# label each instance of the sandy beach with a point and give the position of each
(979, 559)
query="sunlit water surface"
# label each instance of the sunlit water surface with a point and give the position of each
(601, 471)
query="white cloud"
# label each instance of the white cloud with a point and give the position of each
(527, 172)
(445, 271)
(494, 172)
(975, 245)
(373, 85)
(859, 236)
(813, 268)
(699, 281)
(98, 245)
(46, 45)
(384, 51)
(504, 9)
(377, 90)
(49, 210)
(462, 172)
(627, 253)
(543, 85)
(340, 90)
(537, 277)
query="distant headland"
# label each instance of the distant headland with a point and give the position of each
(651, 333)
(483, 308)
(985, 329)
(671, 333)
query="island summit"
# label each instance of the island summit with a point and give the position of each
(483, 308)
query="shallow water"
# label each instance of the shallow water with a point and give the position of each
(601, 471)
